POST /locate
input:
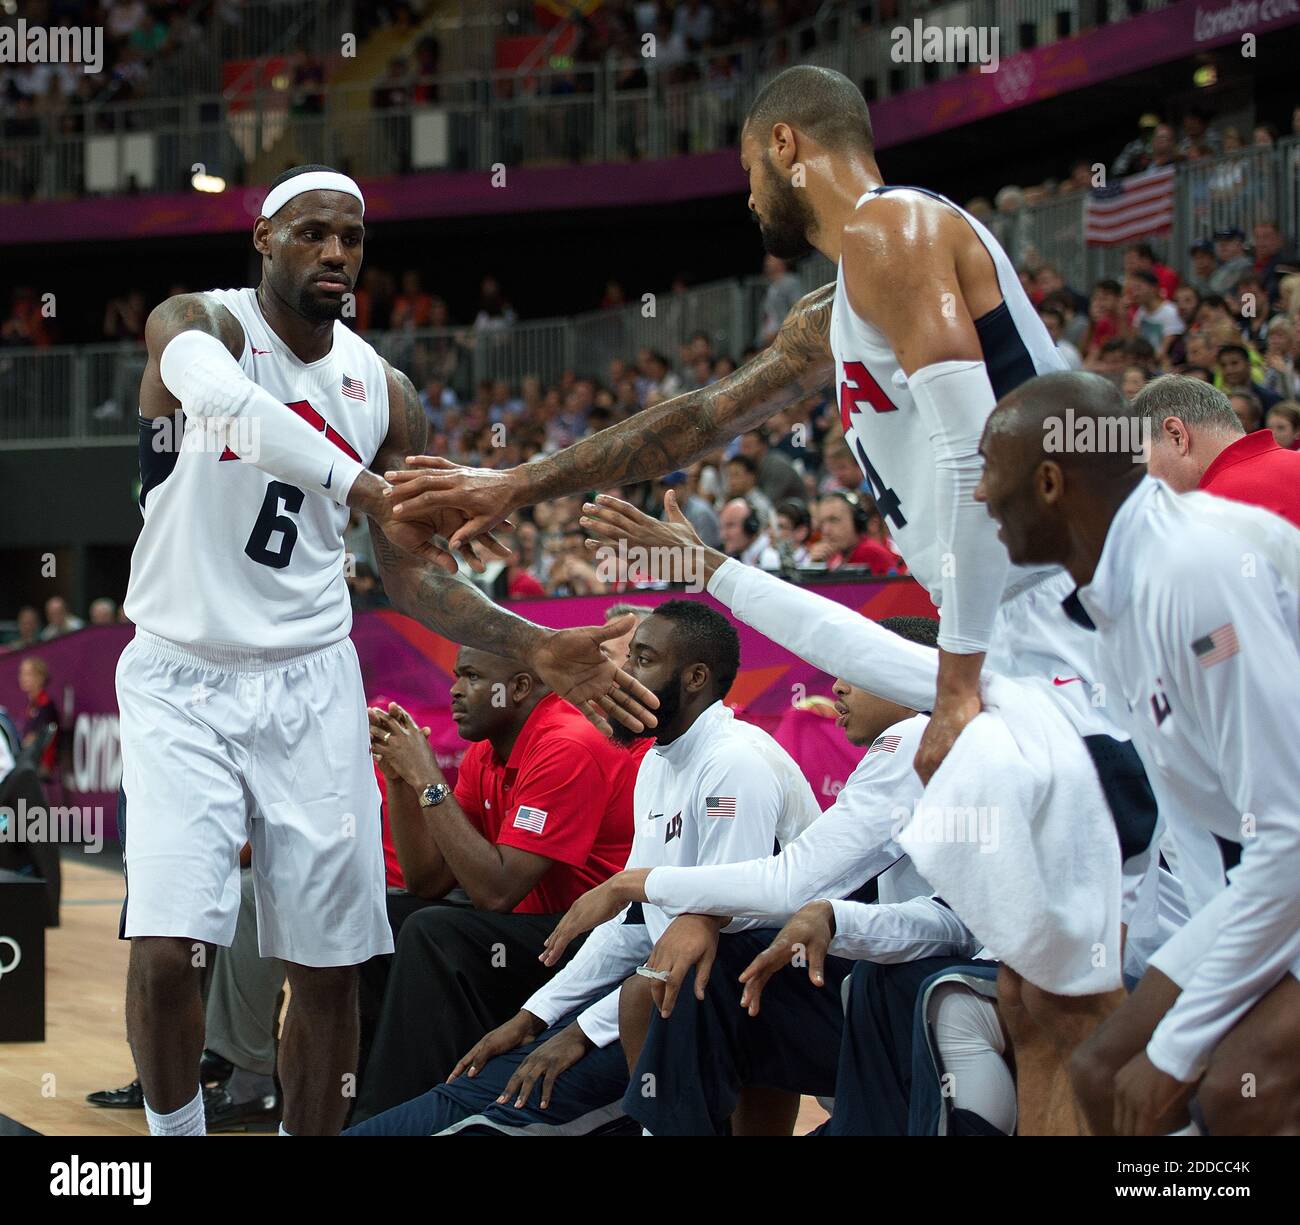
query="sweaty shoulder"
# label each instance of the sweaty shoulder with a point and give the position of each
(893, 228)
(197, 312)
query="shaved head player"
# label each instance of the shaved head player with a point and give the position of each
(262, 420)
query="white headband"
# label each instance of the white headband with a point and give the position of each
(313, 180)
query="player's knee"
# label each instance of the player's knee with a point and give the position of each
(324, 990)
(163, 966)
(1011, 1003)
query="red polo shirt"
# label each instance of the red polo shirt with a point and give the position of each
(867, 552)
(1256, 470)
(565, 793)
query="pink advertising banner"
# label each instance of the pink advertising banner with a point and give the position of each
(402, 661)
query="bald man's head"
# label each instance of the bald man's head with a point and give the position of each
(1054, 443)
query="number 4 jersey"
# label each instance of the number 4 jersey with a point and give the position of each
(228, 554)
(881, 423)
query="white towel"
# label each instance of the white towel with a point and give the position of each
(1015, 834)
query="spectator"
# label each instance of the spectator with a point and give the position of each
(29, 627)
(1156, 318)
(793, 529)
(494, 312)
(412, 308)
(1203, 267)
(1106, 310)
(1235, 376)
(103, 611)
(1269, 256)
(1141, 257)
(1249, 410)
(1233, 262)
(1197, 442)
(33, 676)
(783, 291)
(58, 621)
(1132, 380)
(1054, 322)
(1187, 302)
(1279, 359)
(741, 475)
(1284, 420)
(744, 538)
(1197, 132)
(849, 530)
(777, 477)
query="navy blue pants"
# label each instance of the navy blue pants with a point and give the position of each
(584, 1100)
(694, 1064)
(873, 1082)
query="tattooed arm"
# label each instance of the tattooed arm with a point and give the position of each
(569, 661)
(654, 441)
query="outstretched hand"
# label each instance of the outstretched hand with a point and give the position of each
(572, 663)
(481, 498)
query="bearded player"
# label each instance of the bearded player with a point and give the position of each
(262, 421)
(924, 328)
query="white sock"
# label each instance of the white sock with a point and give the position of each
(282, 1132)
(1190, 1130)
(187, 1121)
(645, 1131)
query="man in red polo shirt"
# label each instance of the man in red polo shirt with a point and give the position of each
(541, 812)
(1197, 442)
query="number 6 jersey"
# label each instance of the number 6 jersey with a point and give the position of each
(228, 554)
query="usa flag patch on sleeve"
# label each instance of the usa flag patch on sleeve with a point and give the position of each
(720, 806)
(531, 819)
(885, 744)
(1216, 646)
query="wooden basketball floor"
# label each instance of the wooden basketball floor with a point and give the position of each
(43, 1085)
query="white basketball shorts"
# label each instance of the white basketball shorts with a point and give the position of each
(223, 746)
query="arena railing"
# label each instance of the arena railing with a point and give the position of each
(612, 111)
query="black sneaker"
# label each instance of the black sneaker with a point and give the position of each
(214, 1069)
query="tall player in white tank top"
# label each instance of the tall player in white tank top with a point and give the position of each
(925, 327)
(243, 716)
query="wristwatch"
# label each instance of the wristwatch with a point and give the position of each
(434, 794)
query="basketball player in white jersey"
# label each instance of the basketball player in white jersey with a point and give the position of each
(243, 717)
(925, 327)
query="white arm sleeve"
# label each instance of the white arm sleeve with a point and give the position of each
(600, 1021)
(899, 931)
(848, 845)
(210, 384)
(1247, 708)
(954, 400)
(829, 636)
(606, 958)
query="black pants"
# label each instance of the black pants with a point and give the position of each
(456, 973)
(38, 858)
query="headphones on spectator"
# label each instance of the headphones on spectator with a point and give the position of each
(751, 527)
(861, 515)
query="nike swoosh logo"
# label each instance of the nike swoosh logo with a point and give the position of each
(654, 816)
(1056, 680)
(329, 479)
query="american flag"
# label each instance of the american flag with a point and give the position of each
(885, 744)
(1137, 204)
(1216, 646)
(531, 819)
(720, 806)
(354, 389)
